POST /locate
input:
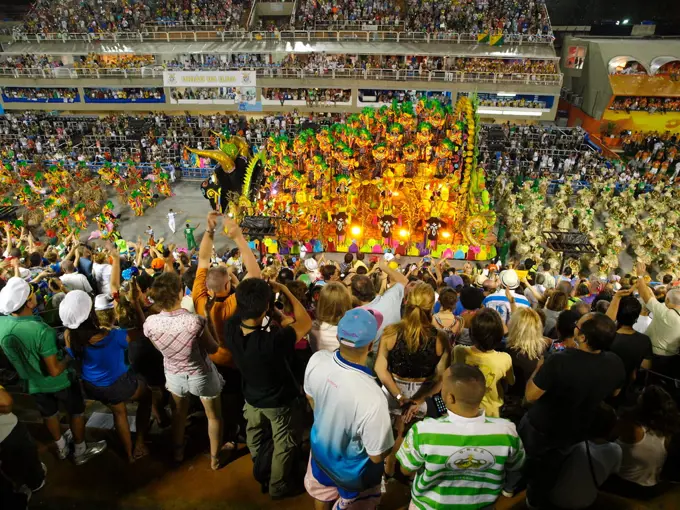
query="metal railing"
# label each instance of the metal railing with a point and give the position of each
(218, 33)
(300, 74)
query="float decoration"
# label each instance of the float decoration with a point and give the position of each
(399, 177)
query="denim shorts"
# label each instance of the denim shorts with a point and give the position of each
(208, 385)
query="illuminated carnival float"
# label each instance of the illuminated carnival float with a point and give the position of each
(402, 178)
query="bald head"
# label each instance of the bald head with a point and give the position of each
(463, 388)
(673, 297)
(67, 266)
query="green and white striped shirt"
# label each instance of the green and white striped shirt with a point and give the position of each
(461, 462)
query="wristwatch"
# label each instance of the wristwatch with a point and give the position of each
(399, 397)
(209, 231)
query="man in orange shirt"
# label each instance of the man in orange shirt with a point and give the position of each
(214, 283)
(212, 290)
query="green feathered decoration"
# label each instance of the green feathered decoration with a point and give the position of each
(248, 177)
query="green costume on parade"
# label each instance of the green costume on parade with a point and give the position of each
(189, 234)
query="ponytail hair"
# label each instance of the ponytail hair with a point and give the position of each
(80, 337)
(416, 321)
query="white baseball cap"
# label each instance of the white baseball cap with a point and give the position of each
(14, 295)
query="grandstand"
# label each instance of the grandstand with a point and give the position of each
(84, 62)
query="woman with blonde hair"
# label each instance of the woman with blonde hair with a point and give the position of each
(334, 301)
(412, 358)
(526, 346)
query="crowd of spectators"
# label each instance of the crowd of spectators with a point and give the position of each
(124, 94)
(387, 96)
(95, 61)
(645, 104)
(653, 154)
(312, 97)
(314, 14)
(446, 369)
(52, 94)
(671, 69)
(142, 137)
(502, 66)
(220, 62)
(511, 102)
(631, 67)
(470, 16)
(205, 93)
(92, 17)
(31, 62)
(534, 151)
(317, 64)
(111, 16)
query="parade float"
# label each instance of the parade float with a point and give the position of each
(402, 178)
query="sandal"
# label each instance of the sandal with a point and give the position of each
(215, 463)
(140, 452)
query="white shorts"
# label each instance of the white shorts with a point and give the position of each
(407, 389)
(201, 385)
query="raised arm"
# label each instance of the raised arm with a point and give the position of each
(395, 276)
(8, 231)
(205, 250)
(115, 267)
(643, 289)
(532, 289)
(232, 229)
(303, 322)
(139, 254)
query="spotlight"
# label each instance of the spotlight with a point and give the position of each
(355, 231)
(403, 233)
(446, 235)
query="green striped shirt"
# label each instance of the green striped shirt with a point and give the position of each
(460, 462)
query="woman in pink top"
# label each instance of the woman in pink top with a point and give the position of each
(185, 342)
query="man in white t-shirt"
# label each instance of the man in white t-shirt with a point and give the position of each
(73, 280)
(171, 219)
(500, 302)
(352, 431)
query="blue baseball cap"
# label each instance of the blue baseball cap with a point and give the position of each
(453, 281)
(359, 327)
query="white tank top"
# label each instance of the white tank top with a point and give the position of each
(643, 461)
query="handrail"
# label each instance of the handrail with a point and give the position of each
(282, 72)
(217, 33)
(293, 14)
(249, 23)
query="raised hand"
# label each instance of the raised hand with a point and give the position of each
(231, 228)
(211, 220)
